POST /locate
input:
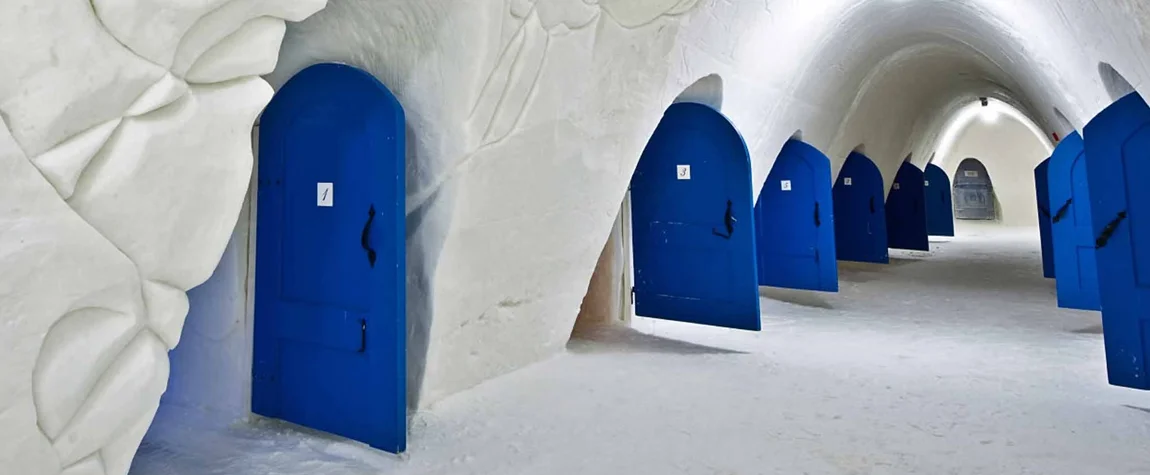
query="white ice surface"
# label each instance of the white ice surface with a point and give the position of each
(955, 362)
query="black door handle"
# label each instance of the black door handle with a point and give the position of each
(872, 205)
(365, 237)
(1109, 230)
(818, 222)
(1062, 211)
(728, 221)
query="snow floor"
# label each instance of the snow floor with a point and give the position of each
(952, 362)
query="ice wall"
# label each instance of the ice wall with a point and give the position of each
(124, 156)
(528, 117)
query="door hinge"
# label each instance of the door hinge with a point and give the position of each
(632, 295)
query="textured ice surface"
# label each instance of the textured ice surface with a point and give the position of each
(527, 118)
(956, 363)
(122, 172)
(120, 182)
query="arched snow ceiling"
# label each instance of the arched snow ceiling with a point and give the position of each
(572, 89)
(526, 119)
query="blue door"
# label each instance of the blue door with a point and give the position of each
(1041, 174)
(906, 210)
(939, 206)
(1118, 144)
(693, 232)
(329, 311)
(973, 192)
(794, 221)
(860, 212)
(1076, 272)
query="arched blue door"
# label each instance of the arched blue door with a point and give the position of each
(906, 210)
(1118, 144)
(693, 231)
(973, 192)
(1075, 270)
(939, 205)
(860, 212)
(794, 221)
(1042, 189)
(329, 313)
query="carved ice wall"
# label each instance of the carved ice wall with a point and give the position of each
(124, 155)
(124, 158)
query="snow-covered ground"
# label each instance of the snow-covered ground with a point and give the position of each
(956, 362)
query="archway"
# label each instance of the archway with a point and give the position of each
(1116, 85)
(1118, 144)
(860, 213)
(906, 210)
(330, 324)
(973, 192)
(794, 222)
(1076, 272)
(692, 222)
(939, 204)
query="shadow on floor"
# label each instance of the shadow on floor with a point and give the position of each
(805, 298)
(1136, 408)
(908, 259)
(619, 339)
(1090, 330)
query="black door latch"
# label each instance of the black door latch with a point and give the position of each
(1062, 211)
(729, 221)
(1108, 231)
(365, 237)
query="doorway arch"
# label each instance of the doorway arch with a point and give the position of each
(973, 192)
(1075, 269)
(906, 210)
(1118, 143)
(794, 222)
(939, 203)
(860, 212)
(330, 323)
(692, 222)
(1116, 85)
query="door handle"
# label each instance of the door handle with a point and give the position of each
(365, 237)
(1062, 211)
(1109, 230)
(872, 205)
(729, 221)
(818, 223)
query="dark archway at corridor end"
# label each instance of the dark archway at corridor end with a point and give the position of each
(330, 321)
(794, 221)
(692, 222)
(1075, 268)
(939, 205)
(1118, 149)
(973, 192)
(906, 210)
(860, 212)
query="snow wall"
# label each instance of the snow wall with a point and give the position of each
(125, 155)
